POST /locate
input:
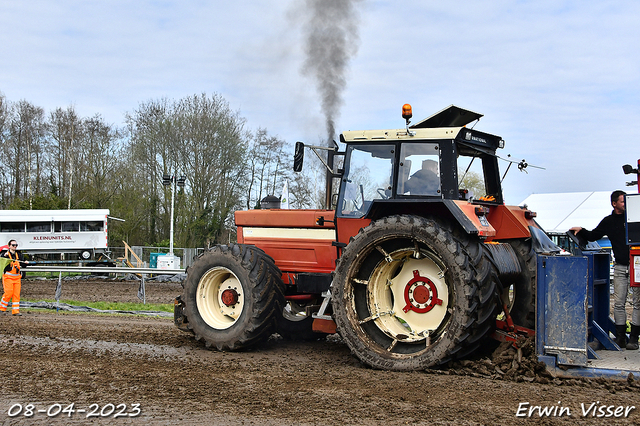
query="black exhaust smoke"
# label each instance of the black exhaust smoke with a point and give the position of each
(331, 40)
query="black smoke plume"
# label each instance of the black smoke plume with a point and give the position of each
(331, 40)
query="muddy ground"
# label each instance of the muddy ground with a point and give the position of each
(49, 358)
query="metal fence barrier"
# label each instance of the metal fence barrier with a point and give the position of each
(141, 272)
(103, 270)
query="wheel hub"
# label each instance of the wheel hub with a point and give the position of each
(420, 294)
(229, 297)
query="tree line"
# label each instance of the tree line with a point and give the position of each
(59, 160)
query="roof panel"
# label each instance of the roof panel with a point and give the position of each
(451, 116)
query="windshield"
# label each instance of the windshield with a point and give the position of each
(368, 176)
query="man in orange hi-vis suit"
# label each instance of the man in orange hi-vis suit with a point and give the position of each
(11, 279)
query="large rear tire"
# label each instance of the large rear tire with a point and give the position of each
(410, 293)
(233, 296)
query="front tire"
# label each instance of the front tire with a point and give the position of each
(409, 294)
(233, 296)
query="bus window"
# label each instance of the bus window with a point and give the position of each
(12, 227)
(67, 226)
(91, 226)
(38, 226)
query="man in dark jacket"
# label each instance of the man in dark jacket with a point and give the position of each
(613, 226)
(425, 181)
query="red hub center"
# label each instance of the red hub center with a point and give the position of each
(229, 297)
(420, 294)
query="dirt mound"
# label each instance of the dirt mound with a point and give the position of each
(506, 362)
(521, 364)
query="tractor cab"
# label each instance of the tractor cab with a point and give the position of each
(425, 163)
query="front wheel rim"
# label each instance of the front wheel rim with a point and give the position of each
(220, 298)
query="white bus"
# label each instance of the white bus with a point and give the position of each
(79, 233)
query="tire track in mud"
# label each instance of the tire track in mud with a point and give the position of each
(95, 347)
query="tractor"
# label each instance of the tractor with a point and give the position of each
(409, 267)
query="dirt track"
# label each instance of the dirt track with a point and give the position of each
(50, 358)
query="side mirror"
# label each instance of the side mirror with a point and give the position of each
(298, 157)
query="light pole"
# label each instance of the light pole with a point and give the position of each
(166, 181)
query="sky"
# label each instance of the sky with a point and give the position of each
(559, 81)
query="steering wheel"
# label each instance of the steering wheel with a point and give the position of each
(381, 192)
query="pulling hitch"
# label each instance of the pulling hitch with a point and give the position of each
(507, 331)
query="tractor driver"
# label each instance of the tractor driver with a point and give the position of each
(425, 181)
(613, 226)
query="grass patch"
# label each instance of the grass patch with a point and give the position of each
(118, 306)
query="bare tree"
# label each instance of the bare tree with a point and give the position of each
(23, 149)
(213, 156)
(198, 137)
(152, 136)
(267, 166)
(4, 175)
(63, 128)
(302, 191)
(4, 113)
(129, 201)
(98, 152)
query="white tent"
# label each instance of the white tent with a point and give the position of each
(561, 211)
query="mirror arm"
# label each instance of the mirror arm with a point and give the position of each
(313, 148)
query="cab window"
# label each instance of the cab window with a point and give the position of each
(419, 171)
